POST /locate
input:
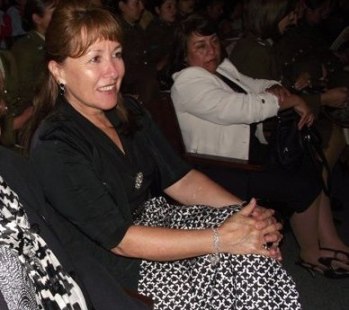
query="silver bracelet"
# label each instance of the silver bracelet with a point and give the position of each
(243, 204)
(216, 250)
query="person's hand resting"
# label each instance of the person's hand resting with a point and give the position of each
(287, 100)
(336, 97)
(302, 81)
(248, 233)
(301, 108)
(264, 214)
(305, 113)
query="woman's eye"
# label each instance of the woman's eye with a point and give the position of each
(94, 59)
(118, 54)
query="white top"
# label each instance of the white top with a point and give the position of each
(214, 119)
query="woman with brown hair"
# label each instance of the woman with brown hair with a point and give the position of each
(100, 159)
(35, 270)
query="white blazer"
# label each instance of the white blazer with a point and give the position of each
(213, 118)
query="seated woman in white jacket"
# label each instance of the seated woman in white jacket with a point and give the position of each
(218, 108)
(222, 118)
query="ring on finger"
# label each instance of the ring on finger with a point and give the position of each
(267, 246)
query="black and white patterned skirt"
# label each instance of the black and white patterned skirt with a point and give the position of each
(236, 282)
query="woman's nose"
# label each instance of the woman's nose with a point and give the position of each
(210, 49)
(114, 68)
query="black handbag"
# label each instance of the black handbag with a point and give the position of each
(286, 145)
(289, 146)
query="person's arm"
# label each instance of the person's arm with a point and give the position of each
(239, 234)
(287, 100)
(283, 97)
(189, 186)
(200, 93)
(95, 213)
(300, 107)
(197, 188)
(336, 97)
(20, 120)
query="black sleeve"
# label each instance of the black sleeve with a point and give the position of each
(75, 190)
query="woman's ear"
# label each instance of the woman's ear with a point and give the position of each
(57, 71)
(157, 10)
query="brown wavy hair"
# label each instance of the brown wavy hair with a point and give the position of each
(74, 27)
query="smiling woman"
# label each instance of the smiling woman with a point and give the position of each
(91, 73)
(101, 160)
(91, 82)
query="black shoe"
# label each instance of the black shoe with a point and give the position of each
(337, 255)
(311, 268)
(325, 268)
(333, 271)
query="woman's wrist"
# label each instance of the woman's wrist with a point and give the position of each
(215, 246)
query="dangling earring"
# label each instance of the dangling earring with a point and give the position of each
(61, 89)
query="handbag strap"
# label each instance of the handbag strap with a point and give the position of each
(235, 87)
(317, 155)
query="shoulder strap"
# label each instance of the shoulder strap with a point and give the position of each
(235, 87)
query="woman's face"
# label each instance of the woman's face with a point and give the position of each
(289, 20)
(215, 10)
(186, 6)
(92, 81)
(43, 21)
(315, 16)
(204, 51)
(131, 10)
(167, 11)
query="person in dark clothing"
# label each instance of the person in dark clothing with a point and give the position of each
(160, 37)
(101, 160)
(101, 291)
(140, 78)
(26, 238)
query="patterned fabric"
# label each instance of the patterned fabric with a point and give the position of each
(242, 282)
(54, 288)
(15, 285)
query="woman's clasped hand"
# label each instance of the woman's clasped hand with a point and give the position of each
(250, 231)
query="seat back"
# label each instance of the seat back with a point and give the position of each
(164, 115)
